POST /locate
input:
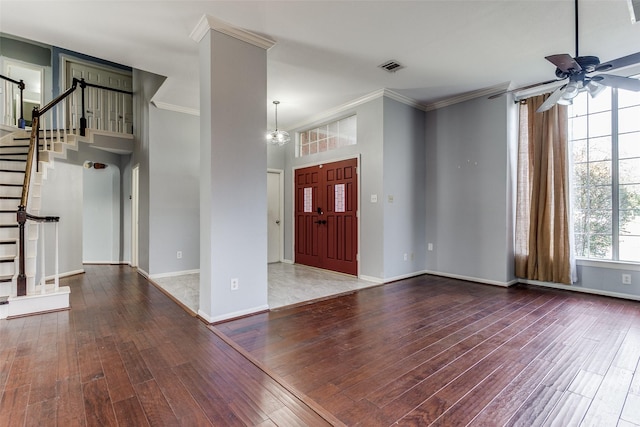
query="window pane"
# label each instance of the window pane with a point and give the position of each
(629, 171)
(600, 222)
(629, 145)
(627, 98)
(600, 148)
(600, 124)
(600, 246)
(630, 222)
(578, 128)
(579, 148)
(629, 197)
(600, 173)
(580, 225)
(313, 135)
(629, 119)
(602, 102)
(581, 244)
(630, 248)
(579, 106)
(600, 197)
(580, 197)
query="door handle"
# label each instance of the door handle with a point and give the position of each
(322, 221)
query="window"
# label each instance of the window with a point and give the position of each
(331, 136)
(605, 138)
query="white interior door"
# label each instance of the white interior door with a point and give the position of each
(274, 216)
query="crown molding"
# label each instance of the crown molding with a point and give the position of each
(359, 101)
(176, 108)
(467, 96)
(208, 22)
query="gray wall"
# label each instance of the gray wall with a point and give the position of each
(101, 215)
(62, 196)
(404, 196)
(145, 86)
(468, 189)
(174, 193)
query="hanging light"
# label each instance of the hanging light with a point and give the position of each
(278, 137)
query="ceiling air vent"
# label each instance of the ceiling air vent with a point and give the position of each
(391, 66)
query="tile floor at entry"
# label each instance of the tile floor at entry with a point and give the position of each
(289, 284)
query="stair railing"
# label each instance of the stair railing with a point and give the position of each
(61, 123)
(8, 101)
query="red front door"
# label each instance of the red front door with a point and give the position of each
(325, 216)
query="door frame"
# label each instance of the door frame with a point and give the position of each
(135, 188)
(280, 173)
(293, 202)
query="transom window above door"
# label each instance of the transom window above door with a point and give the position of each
(327, 137)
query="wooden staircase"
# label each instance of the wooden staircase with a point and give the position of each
(14, 148)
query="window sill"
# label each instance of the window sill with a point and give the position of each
(613, 265)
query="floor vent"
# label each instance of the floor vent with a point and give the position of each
(391, 66)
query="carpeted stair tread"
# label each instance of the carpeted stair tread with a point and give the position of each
(5, 298)
(8, 242)
(10, 185)
(7, 259)
(8, 225)
(10, 197)
(11, 171)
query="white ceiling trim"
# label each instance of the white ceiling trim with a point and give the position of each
(176, 108)
(467, 96)
(208, 22)
(356, 102)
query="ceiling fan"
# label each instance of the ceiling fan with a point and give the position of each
(578, 70)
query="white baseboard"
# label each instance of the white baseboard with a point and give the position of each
(287, 261)
(474, 279)
(233, 315)
(405, 276)
(174, 274)
(575, 288)
(65, 274)
(371, 279)
(143, 273)
(106, 262)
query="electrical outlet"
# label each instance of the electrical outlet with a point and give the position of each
(405, 257)
(235, 284)
(626, 279)
(430, 246)
(179, 254)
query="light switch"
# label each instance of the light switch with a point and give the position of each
(374, 198)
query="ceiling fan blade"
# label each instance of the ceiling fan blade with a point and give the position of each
(564, 62)
(632, 59)
(551, 100)
(524, 87)
(617, 81)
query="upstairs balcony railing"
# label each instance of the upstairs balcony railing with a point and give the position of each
(9, 91)
(68, 114)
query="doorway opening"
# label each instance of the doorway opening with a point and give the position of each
(275, 209)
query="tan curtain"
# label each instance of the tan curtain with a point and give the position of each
(543, 224)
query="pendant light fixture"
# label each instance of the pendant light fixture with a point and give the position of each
(278, 137)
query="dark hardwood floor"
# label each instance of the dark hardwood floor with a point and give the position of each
(435, 351)
(126, 355)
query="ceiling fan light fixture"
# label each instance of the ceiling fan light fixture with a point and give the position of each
(277, 137)
(571, 90)
(594, 88)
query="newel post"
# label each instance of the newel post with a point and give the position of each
(83, 119)
(22, 277)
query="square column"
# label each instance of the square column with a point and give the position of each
(233, 166)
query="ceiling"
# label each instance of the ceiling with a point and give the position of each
(327, 52)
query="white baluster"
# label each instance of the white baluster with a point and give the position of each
(43, 282)
(56, 277)
(58, 122)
